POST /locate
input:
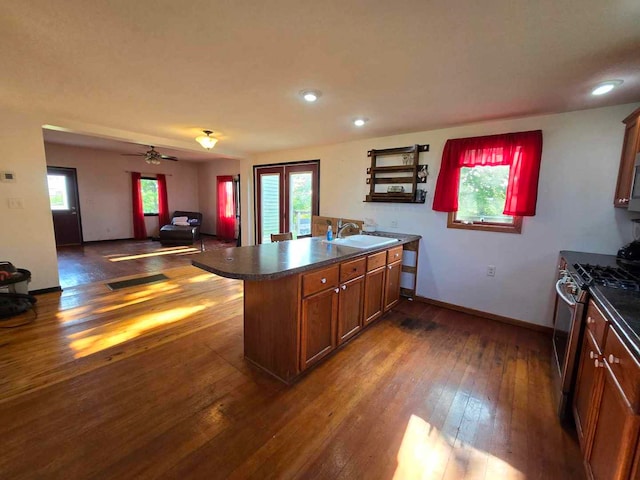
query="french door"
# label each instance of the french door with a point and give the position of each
(287, 195)
(65, 205)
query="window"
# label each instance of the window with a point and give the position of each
(149, 192)
(287, 197)
(489, 183)
(58, 193)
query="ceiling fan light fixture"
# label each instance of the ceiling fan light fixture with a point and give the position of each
(206, 140)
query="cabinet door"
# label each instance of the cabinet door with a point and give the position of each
(615, 434)
(373, 294)
(588, 387)
(392, 285)
(318, 326)
(350, 308)
(629, 150)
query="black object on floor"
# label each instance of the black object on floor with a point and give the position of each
(137, 281)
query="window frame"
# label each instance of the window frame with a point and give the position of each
(158, 202)
(515, 227)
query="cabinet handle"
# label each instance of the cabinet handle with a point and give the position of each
(397, 255)
(613, 359)
(323, 280)
(598, 363)
(337, 290)
(344, 287)
(592, 355)
(590, 320)
(390, 267)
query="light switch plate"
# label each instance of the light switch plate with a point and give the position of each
(7, 176)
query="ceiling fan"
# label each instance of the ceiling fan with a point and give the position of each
(152, 156)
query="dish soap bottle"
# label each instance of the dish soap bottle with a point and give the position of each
(329, 233)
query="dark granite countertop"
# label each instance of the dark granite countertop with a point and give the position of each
(274, 260)
(621, 306)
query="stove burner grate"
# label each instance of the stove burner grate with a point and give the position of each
(612, 277)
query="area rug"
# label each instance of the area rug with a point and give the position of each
(137, 281)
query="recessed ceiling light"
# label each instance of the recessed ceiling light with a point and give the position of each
(606, 87)
(359, 122)
(310, 95)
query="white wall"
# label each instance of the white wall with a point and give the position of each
(575, 210)
(105, 188)
(207, 189)
(26, 235)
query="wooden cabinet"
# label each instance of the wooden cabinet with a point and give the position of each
(630, 148)
(374, 287)
(294, 321)
(615, 434)
(350, 309)
(607, 401)
(586, 398)
(392, 285)
(318, 326)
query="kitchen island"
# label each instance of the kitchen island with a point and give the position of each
(304, 298)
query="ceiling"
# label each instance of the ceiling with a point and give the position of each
(167, 69)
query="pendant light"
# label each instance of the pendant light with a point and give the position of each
(207, 141)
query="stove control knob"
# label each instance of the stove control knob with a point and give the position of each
(590, 321)
(613, 359)
(573, 289)
(592, 355)
(598, 363)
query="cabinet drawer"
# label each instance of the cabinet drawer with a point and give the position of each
(597, 324)
(376, 260)
(319, 280)
(394, 254)
(624, 367)
(352, 269)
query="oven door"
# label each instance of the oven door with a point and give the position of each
(566, 340)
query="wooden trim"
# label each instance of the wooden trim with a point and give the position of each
(485, 226)
(42, 291)
(631, 116)
(490, 316)
(89, 242)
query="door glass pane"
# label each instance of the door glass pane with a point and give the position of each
(58, 196)
(300, 194)
(270, 205)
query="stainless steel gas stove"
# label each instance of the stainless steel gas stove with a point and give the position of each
(572, 290)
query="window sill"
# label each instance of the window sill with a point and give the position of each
(515, 227)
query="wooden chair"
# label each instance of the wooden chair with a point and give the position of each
(281, 237)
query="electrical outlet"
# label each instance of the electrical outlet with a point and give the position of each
(394, 224)
(15, 203)
(491, 271)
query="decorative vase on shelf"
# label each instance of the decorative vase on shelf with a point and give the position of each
(407, 158)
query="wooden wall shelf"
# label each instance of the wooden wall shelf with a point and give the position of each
(377, 171)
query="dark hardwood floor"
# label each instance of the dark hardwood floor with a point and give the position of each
(98, 261)
(150, 382)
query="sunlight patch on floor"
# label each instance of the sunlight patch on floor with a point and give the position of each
(203, 277)
(100, 338)
(425, 453)
(182, 250)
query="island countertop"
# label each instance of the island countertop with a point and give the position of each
(274, 260)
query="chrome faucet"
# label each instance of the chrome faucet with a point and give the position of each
(343, 226)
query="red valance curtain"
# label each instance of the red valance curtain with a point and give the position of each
(226, 221)
(522, 151)
(163, 203)
(139, 228)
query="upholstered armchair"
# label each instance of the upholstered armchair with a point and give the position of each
(184, 229)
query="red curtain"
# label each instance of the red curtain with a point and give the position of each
(139, 228)
(522, 151)
(163, 203)
(226, 222)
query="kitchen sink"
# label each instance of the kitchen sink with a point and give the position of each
(363, 241)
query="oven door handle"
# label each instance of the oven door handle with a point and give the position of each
(562, 295)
